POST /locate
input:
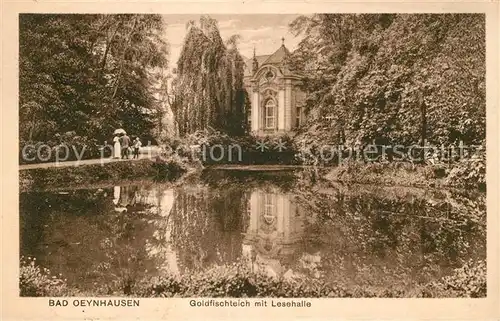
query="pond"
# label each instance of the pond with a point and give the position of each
(281, 225)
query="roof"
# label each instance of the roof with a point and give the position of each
(278, 56)
(248, 63)
(274, 59)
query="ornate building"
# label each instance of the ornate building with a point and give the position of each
(276, 100)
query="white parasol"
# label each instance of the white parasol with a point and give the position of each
(119, 131)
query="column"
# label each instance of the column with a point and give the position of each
(254, 213)
(288, 105)
(287, 217)
(279, 214)
(255, 111)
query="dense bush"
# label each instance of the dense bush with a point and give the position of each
(170, 168)
(35, 281)
(468, 281)
(238, 281)
(469, 172)
(397, 173)
(235, 280)
(243, 150)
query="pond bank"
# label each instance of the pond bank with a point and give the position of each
(159, 169)
(387, 174)
(401, 174)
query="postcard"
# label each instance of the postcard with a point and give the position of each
(274, 160)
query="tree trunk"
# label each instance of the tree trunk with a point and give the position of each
(108, 44)
(118, 78)
(423, 111)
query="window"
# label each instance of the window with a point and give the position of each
(270, 114)
(269, 207)
(298, 118)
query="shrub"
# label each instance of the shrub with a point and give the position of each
(469, 172)
(244, 146)
(35, 281)
(170, 168)
(468, 281)
(235, 280)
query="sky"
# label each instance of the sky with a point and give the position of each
(264, 31)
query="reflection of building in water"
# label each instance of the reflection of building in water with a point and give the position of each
(195, 228)
(274, 232)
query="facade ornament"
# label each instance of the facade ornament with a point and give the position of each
(255, 63)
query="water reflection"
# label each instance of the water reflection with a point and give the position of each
(124, 197)
(112, 237)
(276, 227)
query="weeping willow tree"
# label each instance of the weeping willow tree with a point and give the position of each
(209, 90)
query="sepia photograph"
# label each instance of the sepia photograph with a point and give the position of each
(322, 155)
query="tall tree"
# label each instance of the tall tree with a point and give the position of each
(209, 86)
(368, 72)
(89, 74)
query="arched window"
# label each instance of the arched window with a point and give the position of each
(270, 114)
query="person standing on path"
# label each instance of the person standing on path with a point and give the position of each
(125, 142)
(137, 146)
(117, 149)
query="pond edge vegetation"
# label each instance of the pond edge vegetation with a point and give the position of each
(236, 280)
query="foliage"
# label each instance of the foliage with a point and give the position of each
(63, 147)
(170, 168)
(35, 281)
(220, 148)
(209, 86)
(373, 73)
(237, 280)
(469, 281)
(469, 172)
(88, 74)
(208, 137)
(396, 173)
